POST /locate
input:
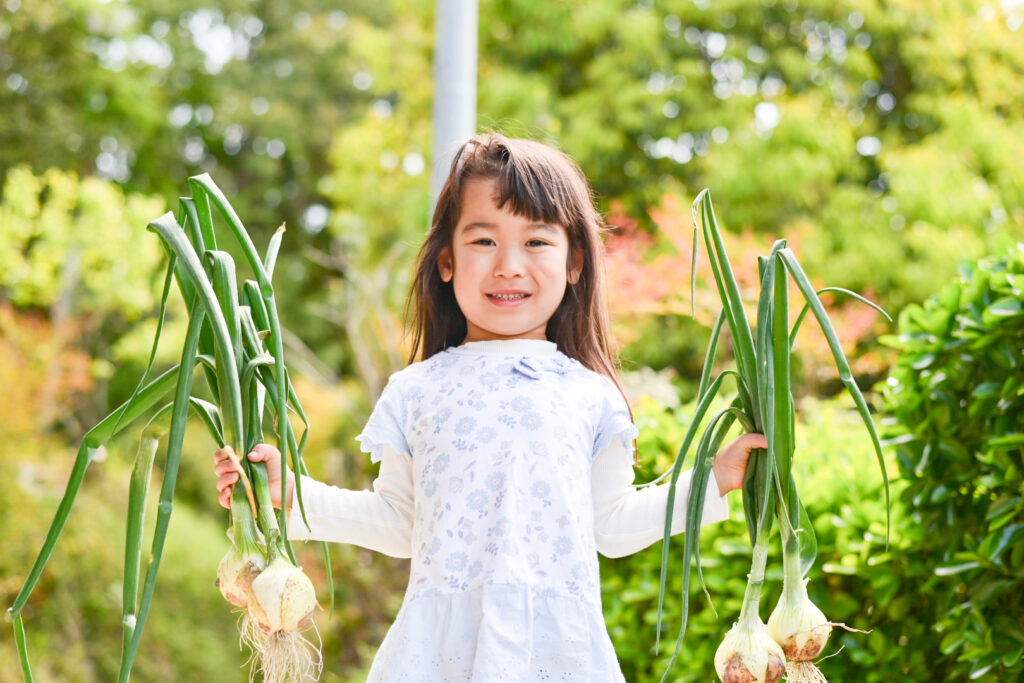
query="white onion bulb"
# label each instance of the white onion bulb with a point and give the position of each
(749, 655)
(798, 625)
(282, 598)
(235, 575)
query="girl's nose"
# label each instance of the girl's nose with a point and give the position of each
(509, 263)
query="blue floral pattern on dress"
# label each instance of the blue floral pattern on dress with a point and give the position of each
(531, 421)
(465, 426)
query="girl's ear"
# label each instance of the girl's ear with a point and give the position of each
(575, 266)
(445, 266)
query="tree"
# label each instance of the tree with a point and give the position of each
(888, 132)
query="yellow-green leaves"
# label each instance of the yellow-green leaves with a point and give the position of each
(76, 238)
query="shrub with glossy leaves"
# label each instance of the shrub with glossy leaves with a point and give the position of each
(957, 394)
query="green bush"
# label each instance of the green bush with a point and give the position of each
(957, 394)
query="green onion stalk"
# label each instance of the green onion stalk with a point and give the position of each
(245, 559)
(235, 337)
(748, 654)
(797, 630)
(797, 624)
(247, 556)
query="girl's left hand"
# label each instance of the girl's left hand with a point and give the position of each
(731, 462)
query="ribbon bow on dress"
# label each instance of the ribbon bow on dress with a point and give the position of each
(532, 366)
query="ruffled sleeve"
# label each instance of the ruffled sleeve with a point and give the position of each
(385, 426)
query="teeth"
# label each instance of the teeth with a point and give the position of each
(508, 297)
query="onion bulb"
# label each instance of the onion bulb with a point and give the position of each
(282, 597)
(802, 630)
(235, 574)
(798, 625)
(749, 655)
(281, 604)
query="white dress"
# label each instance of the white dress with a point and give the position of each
(505, 468)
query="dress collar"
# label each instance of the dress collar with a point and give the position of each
(509, 347)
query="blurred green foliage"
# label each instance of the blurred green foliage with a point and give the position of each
(882, 130)
(57, 229)
(957, 396)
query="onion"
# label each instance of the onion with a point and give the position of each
(235, 575)
(282, 597)
(281, 604)
(798, 625)
(801, 629)
(281, 601)
(749, 655)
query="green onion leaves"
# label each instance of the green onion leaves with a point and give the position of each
(234, 334)
(763, 403)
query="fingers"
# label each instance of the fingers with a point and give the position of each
(227, 465)
(224, 461)
(226, 478)
(262, 452)
(224, 498)
(227, 474)
(223, 454)
(754, 440)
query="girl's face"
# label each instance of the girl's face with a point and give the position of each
(509, 273)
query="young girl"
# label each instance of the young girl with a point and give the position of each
(505, 452)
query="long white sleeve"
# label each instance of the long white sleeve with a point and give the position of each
(380, 519)
(628, 519)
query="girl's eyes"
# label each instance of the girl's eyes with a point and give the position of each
(488, 242)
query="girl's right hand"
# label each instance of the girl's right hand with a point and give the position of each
(227, 473)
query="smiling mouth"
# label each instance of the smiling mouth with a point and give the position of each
(512, 296)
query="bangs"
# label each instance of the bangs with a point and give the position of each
(541, 191)
(533, 180)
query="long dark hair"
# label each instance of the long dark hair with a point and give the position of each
(541, 184)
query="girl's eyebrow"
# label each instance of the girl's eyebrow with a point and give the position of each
(483, 225)
(476, 225)
(544, 226)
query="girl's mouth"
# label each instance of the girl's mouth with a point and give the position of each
(508, 298)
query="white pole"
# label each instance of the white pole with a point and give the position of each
(455, 35)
